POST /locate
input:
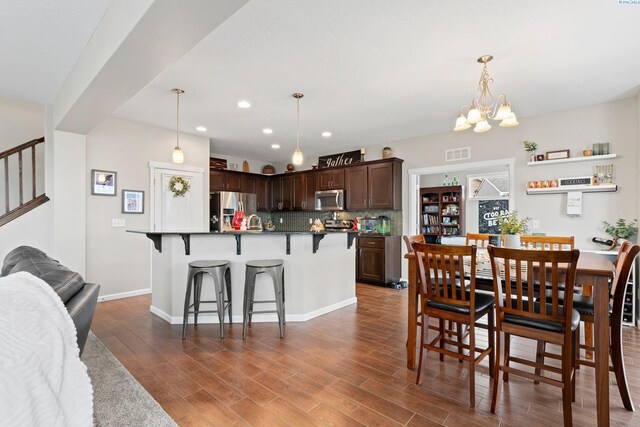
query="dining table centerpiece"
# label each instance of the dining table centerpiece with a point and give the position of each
(512, 228)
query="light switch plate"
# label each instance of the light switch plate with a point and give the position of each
(117, 222)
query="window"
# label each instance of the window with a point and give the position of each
(488, 186)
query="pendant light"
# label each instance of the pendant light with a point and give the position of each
(297, 154)
(178, 155)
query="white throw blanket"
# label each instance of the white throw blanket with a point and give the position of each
(43, 382)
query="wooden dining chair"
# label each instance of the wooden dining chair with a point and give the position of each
(584, 305)
(444, 297)
(518, 314)
(479, 239)
(549, 243)
(408, 240)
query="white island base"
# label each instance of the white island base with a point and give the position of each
(315, 283)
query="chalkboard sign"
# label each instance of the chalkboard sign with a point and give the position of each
(488, 213)
(340, 159)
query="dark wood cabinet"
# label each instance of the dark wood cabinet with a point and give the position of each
(331, 179)
(303, 191)
(221, 180)
(378, 259)
(442, 212)
(282, 193)
(262, 194)
(356, 188)
(374, 186)
(248, 183)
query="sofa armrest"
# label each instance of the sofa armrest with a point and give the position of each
(81, 308)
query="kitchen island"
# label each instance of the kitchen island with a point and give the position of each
(319, 277)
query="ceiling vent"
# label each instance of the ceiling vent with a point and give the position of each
(457, 154)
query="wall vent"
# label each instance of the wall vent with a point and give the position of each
(456, 154)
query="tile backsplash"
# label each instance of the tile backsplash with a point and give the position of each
(299, 220)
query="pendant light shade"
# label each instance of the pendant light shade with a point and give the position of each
(482, 126)
(297, 154)
(509, 121)
(178, 155)
(461, 123)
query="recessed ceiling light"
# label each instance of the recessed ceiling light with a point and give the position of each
(326, 134)
(275, 146)
(267, 131)
(201, 129)
(244, 104)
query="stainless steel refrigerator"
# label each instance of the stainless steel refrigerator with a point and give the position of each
(223, 205)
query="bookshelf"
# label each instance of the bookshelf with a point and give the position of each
(441, 212)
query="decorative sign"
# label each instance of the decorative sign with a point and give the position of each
(215, 163)
(340, 159)
(488, 213)
(580, 180)
(574, 203)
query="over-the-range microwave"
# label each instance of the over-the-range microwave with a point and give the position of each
(329, 200)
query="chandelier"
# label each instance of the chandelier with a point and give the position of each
(485, 106)
(297, 154)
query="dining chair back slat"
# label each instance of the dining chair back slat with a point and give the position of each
(548, 243)
(408, 240)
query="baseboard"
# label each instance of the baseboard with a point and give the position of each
(257, 318)
(129, 294)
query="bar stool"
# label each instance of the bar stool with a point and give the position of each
(220, 271)
(275, 269)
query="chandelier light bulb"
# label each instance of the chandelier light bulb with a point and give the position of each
(482, 126)
(474, 116)
(178, 155)
(509, 121)
(461, 123)
(503, 112)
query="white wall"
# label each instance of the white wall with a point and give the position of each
(255, 166)
(117, 260)
(21, 122)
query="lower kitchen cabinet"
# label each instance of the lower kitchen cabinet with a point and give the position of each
(378, 259)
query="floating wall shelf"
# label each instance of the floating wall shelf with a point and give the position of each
(573, 160)
(603, 188)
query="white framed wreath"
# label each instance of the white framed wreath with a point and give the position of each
(179, 186)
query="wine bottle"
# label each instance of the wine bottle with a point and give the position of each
(602, 241)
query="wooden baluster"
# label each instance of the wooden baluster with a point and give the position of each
(33, 171)
(20, 177)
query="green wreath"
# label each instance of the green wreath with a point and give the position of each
(179, 186)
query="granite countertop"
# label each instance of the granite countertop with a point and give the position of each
(247, 232)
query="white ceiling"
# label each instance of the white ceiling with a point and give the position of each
(372, 71)
(40, 42)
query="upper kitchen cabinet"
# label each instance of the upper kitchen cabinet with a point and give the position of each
(222, 180)
(263, 187)
(303, 188)
(282, 193)
(331, 179)
(377, 185)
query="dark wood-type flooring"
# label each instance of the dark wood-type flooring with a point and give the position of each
(344, 368)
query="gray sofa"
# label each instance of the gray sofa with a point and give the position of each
(79, 298)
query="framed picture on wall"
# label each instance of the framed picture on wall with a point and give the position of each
(103, 183)
(133, 201)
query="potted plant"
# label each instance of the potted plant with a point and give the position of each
(531, 148)
(620, 230)
(512, 227)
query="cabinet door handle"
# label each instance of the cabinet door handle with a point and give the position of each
(365, 203)
(369, 202)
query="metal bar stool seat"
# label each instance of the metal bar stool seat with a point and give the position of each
(220, 271)
(275, 269)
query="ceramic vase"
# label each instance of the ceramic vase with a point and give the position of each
(512, 241)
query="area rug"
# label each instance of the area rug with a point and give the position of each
(118, 399)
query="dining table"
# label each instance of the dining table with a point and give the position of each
(592, 271)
